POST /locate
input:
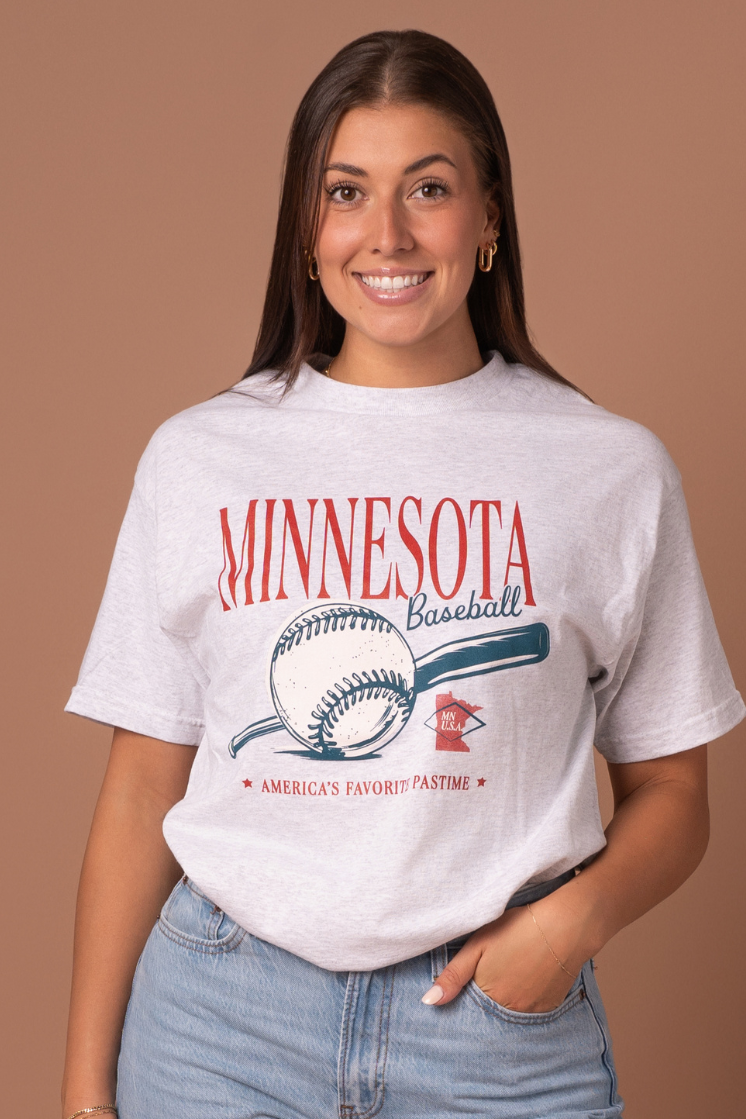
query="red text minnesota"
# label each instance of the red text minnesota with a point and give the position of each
(370, 548)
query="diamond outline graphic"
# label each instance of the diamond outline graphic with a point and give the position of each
(450, 736)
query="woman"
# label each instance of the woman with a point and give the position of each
(393, 586)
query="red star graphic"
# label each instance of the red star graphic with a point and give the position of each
(480, 781)
(247, 783)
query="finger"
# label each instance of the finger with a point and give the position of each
(453, 977)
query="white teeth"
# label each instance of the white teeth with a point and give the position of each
(393, 283)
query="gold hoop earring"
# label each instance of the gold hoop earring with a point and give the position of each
(313, 268)
(484, 256)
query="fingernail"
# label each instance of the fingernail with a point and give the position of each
(435, 994)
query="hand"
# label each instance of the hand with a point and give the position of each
(510, 961)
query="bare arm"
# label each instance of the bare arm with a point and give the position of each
(657, 837)
(128, 872)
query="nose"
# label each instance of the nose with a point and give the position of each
(389, 231)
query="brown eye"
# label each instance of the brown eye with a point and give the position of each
(430, 191)
(343, 192)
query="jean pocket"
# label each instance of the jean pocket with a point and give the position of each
(574, 996)
(189, 918)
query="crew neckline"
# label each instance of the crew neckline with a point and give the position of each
(314, 390)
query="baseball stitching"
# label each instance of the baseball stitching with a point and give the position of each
(331, 617)
(344, 696)
(367, 685)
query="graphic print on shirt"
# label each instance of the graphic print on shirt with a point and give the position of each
(342, 676)
(450, 721)
(388, 553)
(344, 680)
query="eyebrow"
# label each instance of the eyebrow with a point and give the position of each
(418, 165)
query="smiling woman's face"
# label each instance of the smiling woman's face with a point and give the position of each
(402, 216)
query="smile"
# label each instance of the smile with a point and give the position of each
(394, 290)
(393, 283)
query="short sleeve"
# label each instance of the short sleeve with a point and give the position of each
(671, 688)
(134, 675)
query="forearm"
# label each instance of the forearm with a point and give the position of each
(128, 872)
(655, 840)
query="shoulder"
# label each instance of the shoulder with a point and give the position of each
(225, 410)
(594, 438)
(190, 439)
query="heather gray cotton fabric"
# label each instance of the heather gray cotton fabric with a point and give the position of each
(393, 621)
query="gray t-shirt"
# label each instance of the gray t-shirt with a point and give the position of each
(394, 622)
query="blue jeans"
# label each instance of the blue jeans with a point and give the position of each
(222, 1025)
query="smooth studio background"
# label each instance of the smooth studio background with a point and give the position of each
(142, 149)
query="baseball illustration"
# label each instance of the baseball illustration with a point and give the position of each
(342, 679)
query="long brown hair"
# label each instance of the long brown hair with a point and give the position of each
(402, 67)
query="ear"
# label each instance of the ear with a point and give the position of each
(492, 223)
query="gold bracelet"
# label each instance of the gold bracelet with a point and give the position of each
(559, 961)
(95, 1110)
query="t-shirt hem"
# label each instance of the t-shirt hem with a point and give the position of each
(660, 743)
(140, 720)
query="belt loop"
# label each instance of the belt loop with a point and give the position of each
(438, 960)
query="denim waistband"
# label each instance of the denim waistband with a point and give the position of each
(528, 894)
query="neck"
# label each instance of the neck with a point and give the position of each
(445, 355)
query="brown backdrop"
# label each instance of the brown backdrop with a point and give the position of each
(146, 139)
